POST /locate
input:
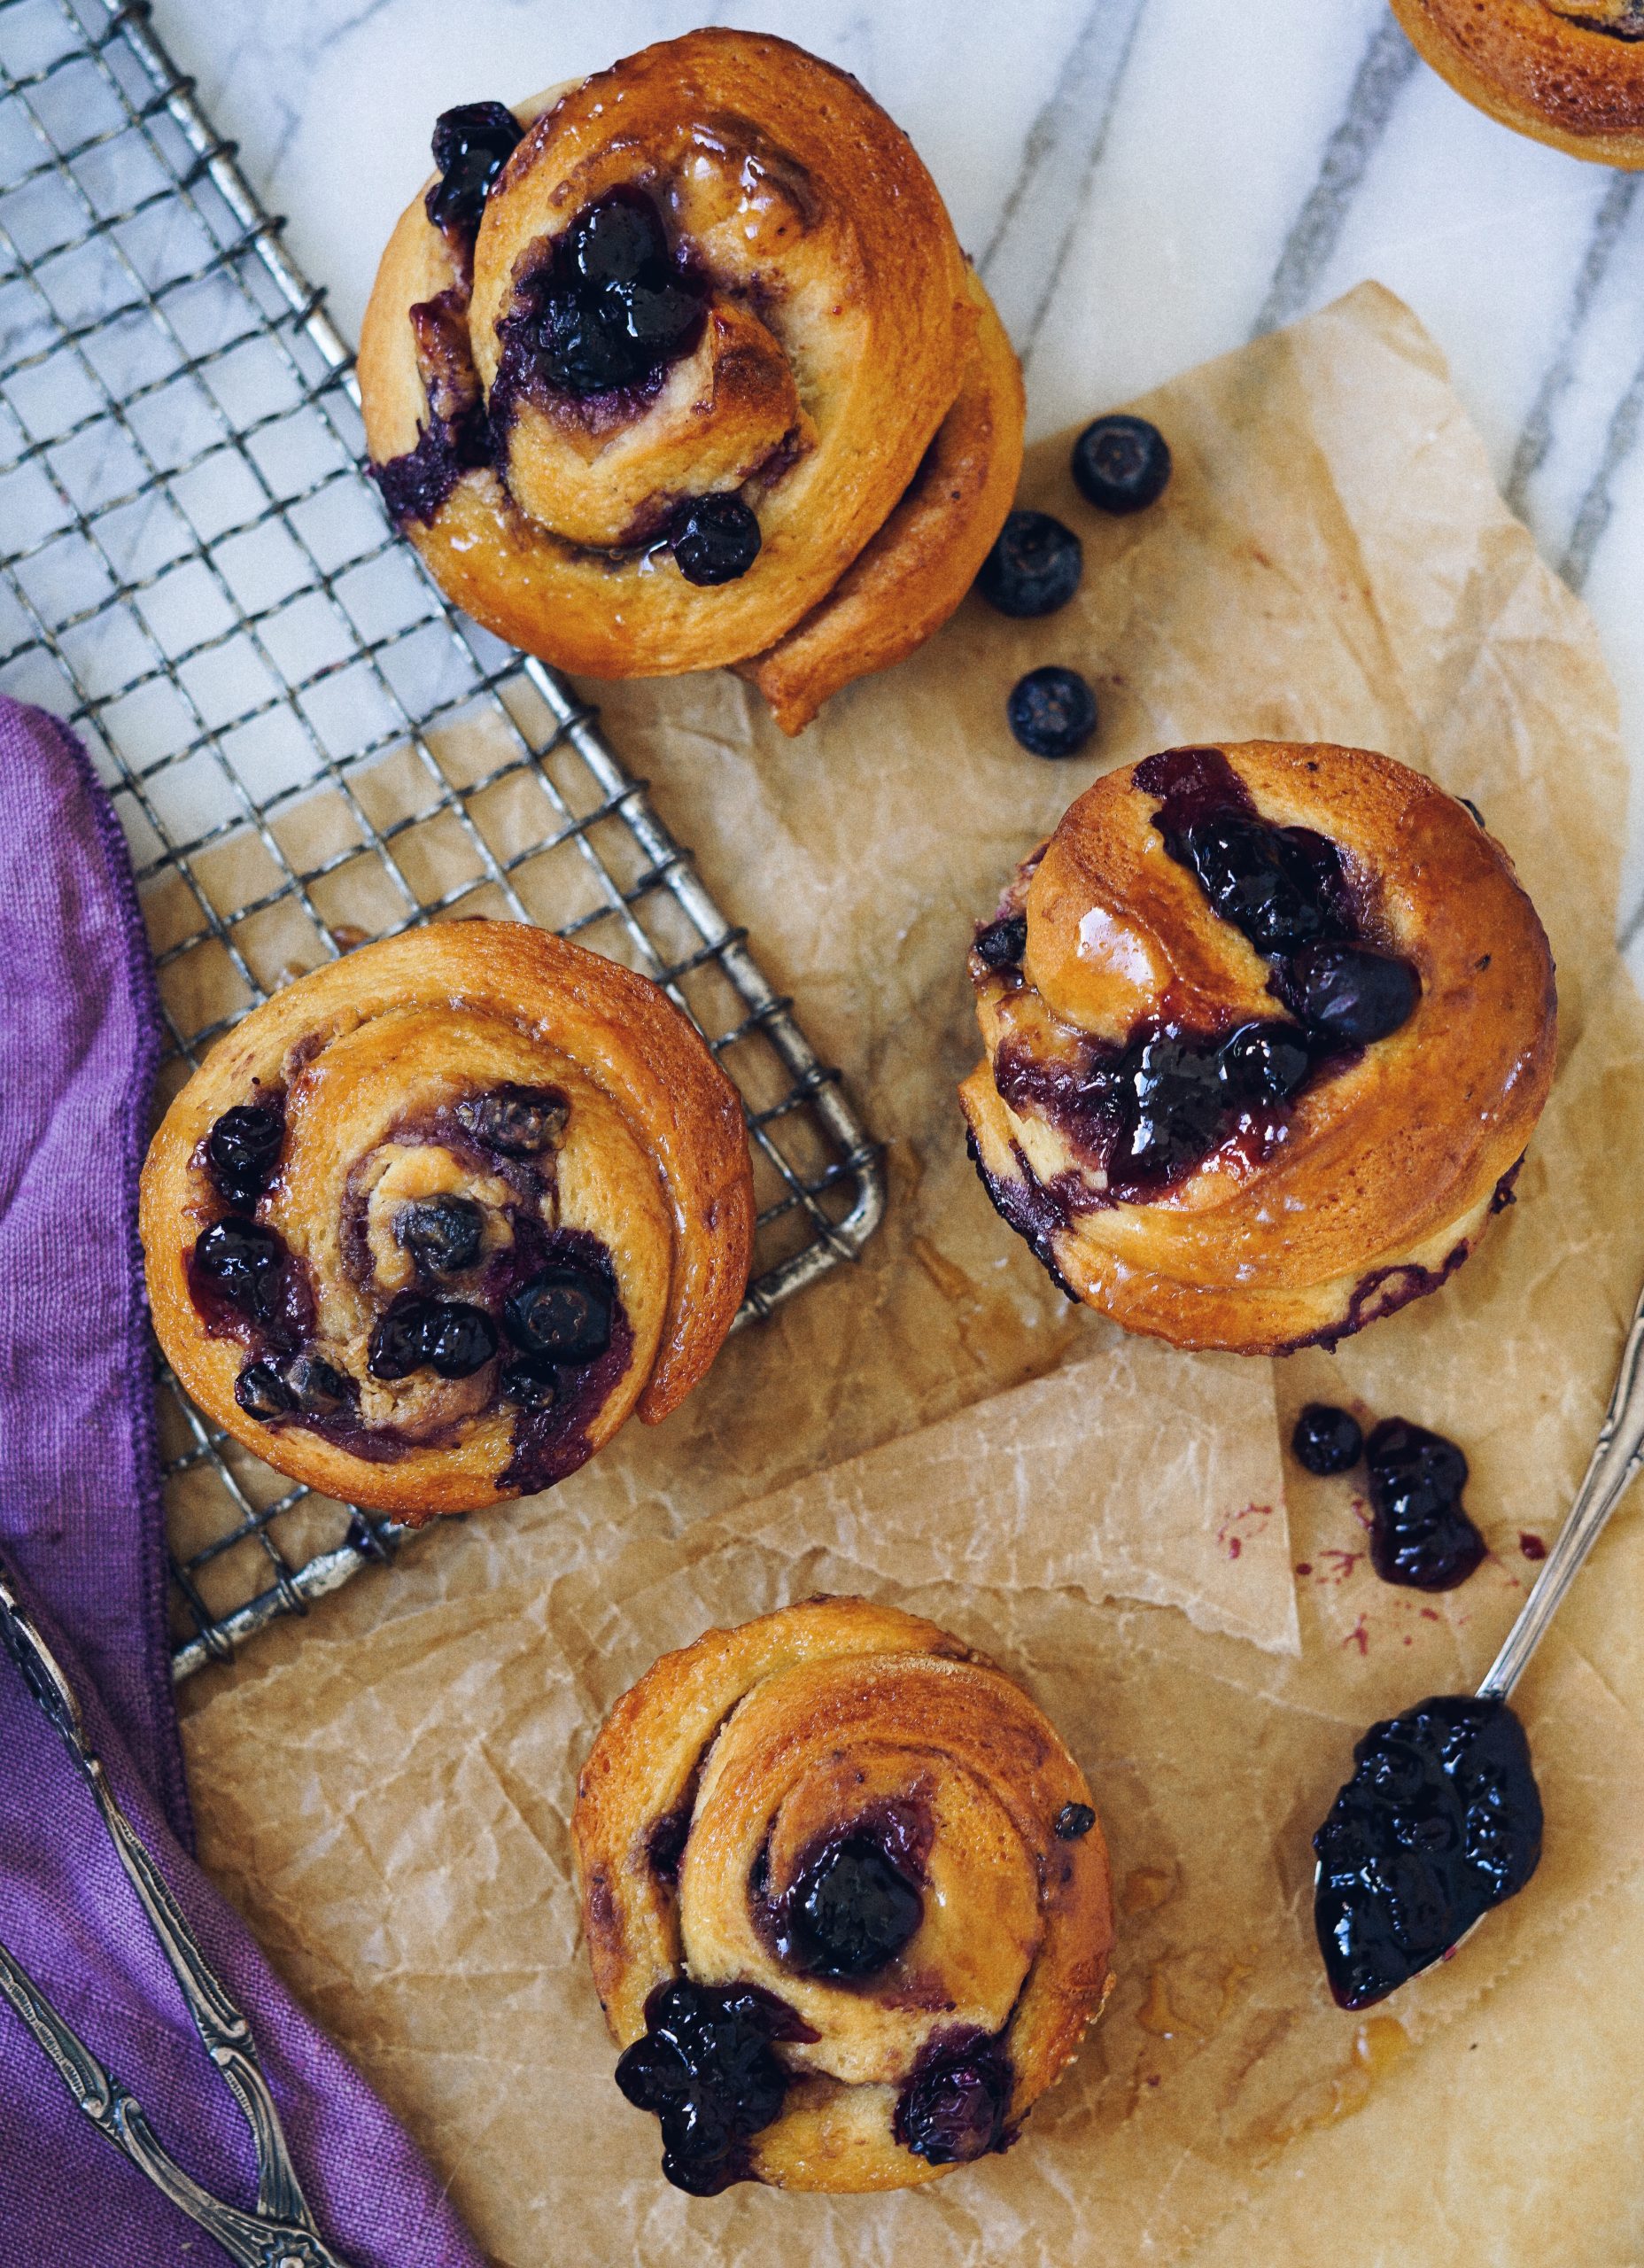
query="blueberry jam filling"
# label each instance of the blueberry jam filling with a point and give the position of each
(564, 1313)
(953, 2108)
(1440, 1821)
(850, 1910)
(1002, 944)
(533, 1382)
(1420, 1534)
(1051, 712)
(442, 1234)
(1073, 1820)
(1147, 1114)
(521, 1121)
(1033, 568)
(242, 1151)
(706, 2065)
(472, 145)
(449, 1337)
(1122, 463)
(1327, 1440)
(607, 311)
(714, 538)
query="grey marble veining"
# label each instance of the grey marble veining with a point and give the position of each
(1145, 182)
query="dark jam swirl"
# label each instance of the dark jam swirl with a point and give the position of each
(706, 2065)
(1144, 1115)
(856, 1898)
(537, 1321)
(1440, 1821)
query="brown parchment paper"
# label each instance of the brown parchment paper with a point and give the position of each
(384, 1790)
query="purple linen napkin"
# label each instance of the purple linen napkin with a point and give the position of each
(81, 1528)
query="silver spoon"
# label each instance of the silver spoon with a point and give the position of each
(1617, 1457)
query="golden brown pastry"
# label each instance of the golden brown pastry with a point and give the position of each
(682, 367)
(1267, 1028)
(846, 1898)
(428, 1224)
(1568, 72)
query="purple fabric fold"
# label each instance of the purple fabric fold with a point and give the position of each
(80, 1529)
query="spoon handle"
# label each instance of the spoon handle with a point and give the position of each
(1616, 1457)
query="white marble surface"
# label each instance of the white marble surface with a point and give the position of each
(1145, 182)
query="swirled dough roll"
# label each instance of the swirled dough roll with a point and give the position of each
(846, 1898)
(682, 367)
(427, 1225)
(1268, 1029)
(1568, 72)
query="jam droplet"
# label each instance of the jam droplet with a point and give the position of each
(1440, 1821)
(1003, 943)
(1421, 1536)
(448, 1337)
(609, 308)
(241, 1260)
(442, 1234)
(1073, 1820)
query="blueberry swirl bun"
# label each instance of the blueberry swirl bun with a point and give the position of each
(1267, 1028)
(428, 1224)
(1568, 72)
(682, 367)
(846, 1898)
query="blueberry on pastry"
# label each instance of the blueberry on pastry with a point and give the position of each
(1267, 1028)
(1568, 72)
(682, 367)
(845, 1899)
(427, 1225)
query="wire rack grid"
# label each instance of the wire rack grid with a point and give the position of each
(306, 746)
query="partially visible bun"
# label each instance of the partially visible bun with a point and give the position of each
(1568, 72)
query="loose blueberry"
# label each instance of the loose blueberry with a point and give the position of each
(953, 2109)
(1121, 464)
(1421, 1536)
(242, 1261)
(441, 1233)
(1265, 1062)
(242, 1150)
(1072, 1821)
(706, 2066)
(320, 1388)
(472, 145)
(715, 539)
(1350, 995)
(531, 1382)
(563, 1312)
(1033, 568)
(518, 1121)
(1002, 944)
(448, 1337)
(1051, 711)
(1440, 1821)
(262, 1393)
(851, 1911)
(1327, 1440)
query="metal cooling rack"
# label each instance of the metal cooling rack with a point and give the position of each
(305, 745)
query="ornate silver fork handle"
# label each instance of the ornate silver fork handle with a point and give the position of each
(282, 2209)
(252, 2240)
(1616, 1455)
